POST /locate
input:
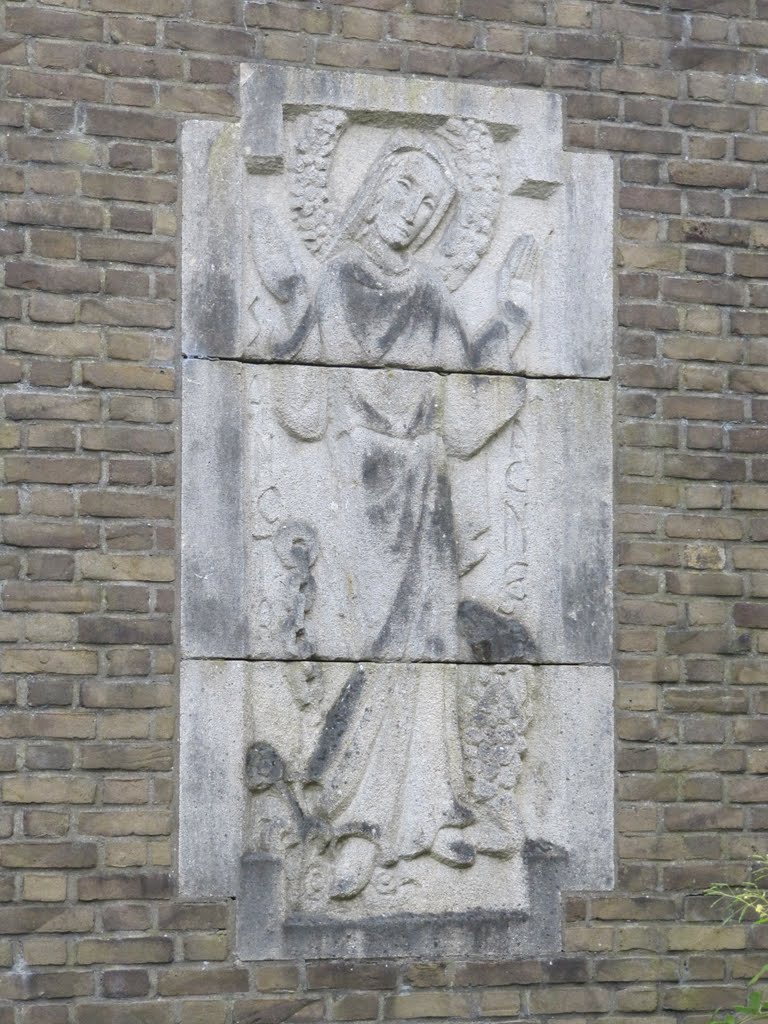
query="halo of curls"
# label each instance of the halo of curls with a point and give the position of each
(469, 150)
(469, 234)
(316, 138)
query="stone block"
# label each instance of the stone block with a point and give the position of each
(394, 515)
(336, 798)
(504, 263)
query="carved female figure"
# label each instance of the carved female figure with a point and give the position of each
(375, 303)
(388, 761)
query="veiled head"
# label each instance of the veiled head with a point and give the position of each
(404, 196)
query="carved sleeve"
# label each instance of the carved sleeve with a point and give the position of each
(301, 401)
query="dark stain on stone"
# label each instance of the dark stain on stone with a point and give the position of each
(360, 829)
(335, 725)
(496, 333)
(465, 853)
(585, 610)
(494, 638)
(291, 346)
(442, 520)
(214, 310)
(381, 469)
(263, 767)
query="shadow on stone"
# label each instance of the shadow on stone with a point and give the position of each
(494, 639)
(265, 931)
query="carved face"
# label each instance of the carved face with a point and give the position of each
(411, 192)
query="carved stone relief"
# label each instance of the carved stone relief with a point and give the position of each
(371, 790)
(377, 292)
(396, 499)
(432, 227)
(395, 515)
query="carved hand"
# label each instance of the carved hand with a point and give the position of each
(279, 272)
(515, 282)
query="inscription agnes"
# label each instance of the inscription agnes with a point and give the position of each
(372, 300)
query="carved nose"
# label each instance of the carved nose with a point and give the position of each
(411, 210)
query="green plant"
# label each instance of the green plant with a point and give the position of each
(747, 903)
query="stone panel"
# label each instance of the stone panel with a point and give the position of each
(360, 793)
(394, 515)
(391, 222)
(397, 518)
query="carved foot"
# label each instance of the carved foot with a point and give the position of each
(451, 847)
(354, 867)
(494, 841)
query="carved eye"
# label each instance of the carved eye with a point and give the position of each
(404, 183)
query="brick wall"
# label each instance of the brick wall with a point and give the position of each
(93, 95)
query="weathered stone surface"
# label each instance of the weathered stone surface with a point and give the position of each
(212, 223)
(368, 791)
(397, 223)
(394, 515)
(396, 499)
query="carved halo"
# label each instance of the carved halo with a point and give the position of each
(316, 218)
(467, 147)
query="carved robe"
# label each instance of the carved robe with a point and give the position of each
(392, 318)
(388, 760)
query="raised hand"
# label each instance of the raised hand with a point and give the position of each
(514, 283)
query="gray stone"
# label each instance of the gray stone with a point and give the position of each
(397, 222)
(394, 515)
(396, 693)
(339, 800)
(214, 606)
(211, 224)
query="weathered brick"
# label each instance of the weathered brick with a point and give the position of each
(360, 54)
(138, 440)
(124, 951)
(200, 981)
(528, 11)
(115, 630)
(46, 406)
(129, 376)
(232, 42)
(125, 984)
(125, 62)
(60, 662)
(196, 916)
(130, 125)
(48, 790)
(51, 22)
(147, 1013)
(49, 855)
(702, 174)
(28, 533)
(439, 1003)
(152, 253)
(49, 597)
(374, 974)
(53, 341)
(45, 985)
